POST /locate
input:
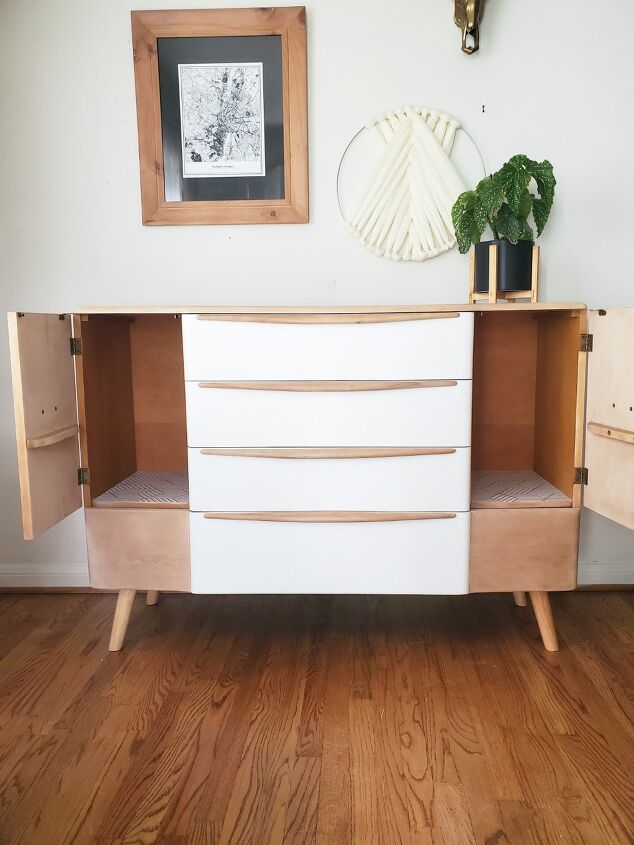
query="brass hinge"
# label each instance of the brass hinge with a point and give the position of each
(585, 343)
(83, 476)
(75, 346)
(581, 475)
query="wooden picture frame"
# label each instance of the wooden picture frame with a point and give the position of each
(289, 23)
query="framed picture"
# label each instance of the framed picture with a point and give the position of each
(222, 117)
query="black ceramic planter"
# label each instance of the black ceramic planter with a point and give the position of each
(515, 262)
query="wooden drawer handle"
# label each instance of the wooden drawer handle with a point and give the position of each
(325, 386)
(622, 434)
(334, 453)
(323, 319)
(52, 437)
(330, 516)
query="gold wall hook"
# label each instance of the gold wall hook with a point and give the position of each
(467, 15)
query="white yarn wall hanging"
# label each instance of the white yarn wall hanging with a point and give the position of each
(405, 211)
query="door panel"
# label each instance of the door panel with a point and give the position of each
(45, 407)
(609, 453)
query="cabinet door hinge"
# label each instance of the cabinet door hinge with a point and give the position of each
(75, 346)
(585, 343)
(581, 475)
(83, 476)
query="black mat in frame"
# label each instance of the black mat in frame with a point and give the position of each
(242, 48)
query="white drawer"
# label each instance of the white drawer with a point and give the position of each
(426, 556)
(415, 416)
(407, 349)
(268, 482)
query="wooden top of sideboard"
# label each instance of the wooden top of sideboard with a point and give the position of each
(327, 309)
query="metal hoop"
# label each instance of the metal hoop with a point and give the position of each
(360, 132)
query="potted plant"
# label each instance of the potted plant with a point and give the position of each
(504, 202)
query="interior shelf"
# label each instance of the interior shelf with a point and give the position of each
(514, 489)
(147, 489)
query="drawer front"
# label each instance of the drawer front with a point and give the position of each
(422, 416)
(407, 349)
(428, 482)
(429, 556)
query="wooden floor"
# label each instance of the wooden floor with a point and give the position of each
(253, 720)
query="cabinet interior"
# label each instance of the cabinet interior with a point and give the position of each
(525, 372)
(132, 399)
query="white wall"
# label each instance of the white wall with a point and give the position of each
(545, 82)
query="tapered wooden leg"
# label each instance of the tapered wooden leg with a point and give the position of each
(122, 613)
(544, 614)
(152, 597)
(519, 597)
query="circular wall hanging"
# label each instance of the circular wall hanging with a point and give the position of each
(405, 210)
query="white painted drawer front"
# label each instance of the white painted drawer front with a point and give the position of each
(410, 349)
(429, 556)
(424, 416)
(436, 482)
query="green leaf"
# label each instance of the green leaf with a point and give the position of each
(508, 226)
(480, 215)
(527, 232)
(542, 172)
(525, 205)
(462, 206)
(463, 218)
(515, 178)
(490, 191)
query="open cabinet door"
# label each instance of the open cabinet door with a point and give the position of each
(609, 454)
(45, 406)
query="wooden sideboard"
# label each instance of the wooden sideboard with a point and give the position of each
(398, 449)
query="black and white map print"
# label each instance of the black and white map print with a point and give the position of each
(222, 119)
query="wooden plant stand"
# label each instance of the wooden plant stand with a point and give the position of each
(493, 295)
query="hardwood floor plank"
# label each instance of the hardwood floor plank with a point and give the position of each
(145, 762)
(608, 792)
(334, 815)
(50, 669)
(361, 659)
(451, 815)
(311, 725)
(79, 784)
(366, 785)
(94, 811)
(225, 663)
(301, 814)
(228, 723)
(602, 662)
(20, 769)
(46, 785)
(202, 833)
(401, 747)
(473, 771)
(493, 683)
(21, 617)
(529, 825)
(261, 792)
